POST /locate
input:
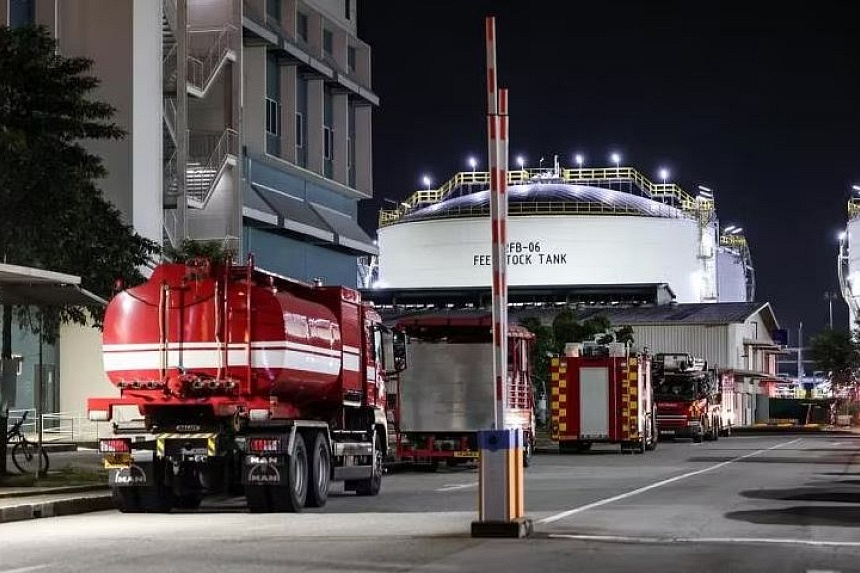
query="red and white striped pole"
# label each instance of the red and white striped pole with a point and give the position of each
(500, 480)
(497, 129)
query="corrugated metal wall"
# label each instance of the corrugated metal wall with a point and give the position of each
(708, 342)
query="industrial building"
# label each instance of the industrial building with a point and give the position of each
(248, 122)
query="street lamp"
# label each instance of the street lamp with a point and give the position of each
(855, 187)
(427, 182)
(473, 163)
(579, 160)
(616, 159)
(521, 161)
(830, 297)
(664, 174)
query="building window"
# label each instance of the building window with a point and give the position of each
(328, 143)
(273, 10)
(273, 117)
(302, 26)
(350, 59)
(300, 130)
(22, 13)
(347, 9)
(328, 42)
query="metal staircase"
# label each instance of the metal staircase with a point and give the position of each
(208, 155)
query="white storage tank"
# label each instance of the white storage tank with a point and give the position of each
(565, 227)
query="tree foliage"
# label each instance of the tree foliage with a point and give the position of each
(565, 328)
(836, 352)
(54, 215)
(213, 251)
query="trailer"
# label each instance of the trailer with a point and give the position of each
(447, 394)
(601, 393)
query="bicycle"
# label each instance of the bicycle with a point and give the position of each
(25, 454)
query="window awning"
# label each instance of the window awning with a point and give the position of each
(294, 214)
(30, 286)
(349, 233)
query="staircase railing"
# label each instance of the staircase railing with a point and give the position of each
(170, 116)
(201, 178)
(169, 7)
(168, 67)
(201, 72)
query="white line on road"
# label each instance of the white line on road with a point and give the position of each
(454, 486)
(568, 513)
(24, 569)
(740, 540)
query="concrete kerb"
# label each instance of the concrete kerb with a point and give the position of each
(54, 505)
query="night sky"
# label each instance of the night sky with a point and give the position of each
(759, 105)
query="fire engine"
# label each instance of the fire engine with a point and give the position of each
(447, 394)
(243, 381)
(688, 398)
(601, 393)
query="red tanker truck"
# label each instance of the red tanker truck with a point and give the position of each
(245, 382)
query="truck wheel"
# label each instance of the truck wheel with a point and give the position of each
(319, 471)
(373, 484)
(292, 496)
(148, 499)
(188, 500)
(698, 437)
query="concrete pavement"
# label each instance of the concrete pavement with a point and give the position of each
(22, 503)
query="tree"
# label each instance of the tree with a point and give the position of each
(837, 352)
(54, 215)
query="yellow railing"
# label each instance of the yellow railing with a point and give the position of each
(733, 240)
(853, 208)
(663, 192)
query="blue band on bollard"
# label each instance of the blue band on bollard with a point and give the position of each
(494, 440)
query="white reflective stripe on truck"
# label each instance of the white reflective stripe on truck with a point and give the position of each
(321, 360)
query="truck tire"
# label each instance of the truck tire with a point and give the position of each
(699, 436)
(373, 484)
(147, 499)
(287, 497)
(319, 470)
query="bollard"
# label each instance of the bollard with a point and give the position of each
(500, 485)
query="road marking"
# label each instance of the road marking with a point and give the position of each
(24, 569)
(713, 540)
(455, 486)
(619, 497)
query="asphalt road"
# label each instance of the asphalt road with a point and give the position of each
(747, 503)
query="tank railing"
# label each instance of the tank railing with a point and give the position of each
(733, 241)
(853, 208)
(666, 193)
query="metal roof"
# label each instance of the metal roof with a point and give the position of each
(31, 286)
(687, 313)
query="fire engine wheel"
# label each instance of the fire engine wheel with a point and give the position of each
(188, 501)
(699, 437)
(319, 471)
(288, 497)
(148, 499)
(373, 484)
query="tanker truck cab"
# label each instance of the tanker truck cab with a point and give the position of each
(247, 382)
